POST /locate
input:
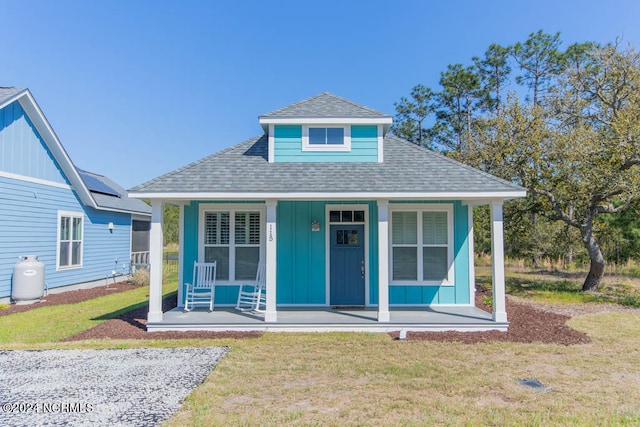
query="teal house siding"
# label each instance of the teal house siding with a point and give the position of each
(301, 257)
(190, 246)
(225, 295)
(301, 271)
(288, 146)
(22, 151)
(459, 293)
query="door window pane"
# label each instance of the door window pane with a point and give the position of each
(334, 216)
(346, 216)
(358, 216)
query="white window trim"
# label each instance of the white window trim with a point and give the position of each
(71, 215)
(231, 209)
(346, 146)
(419, 209)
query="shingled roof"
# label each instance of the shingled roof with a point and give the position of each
(8, 93)
(325, 105)
(407, 168)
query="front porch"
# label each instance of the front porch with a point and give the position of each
(432, 319)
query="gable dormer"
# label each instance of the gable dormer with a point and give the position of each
(325, 128)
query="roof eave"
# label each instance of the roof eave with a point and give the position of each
(467, 196)
(386, 122)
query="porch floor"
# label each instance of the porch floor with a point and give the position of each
(428, 319)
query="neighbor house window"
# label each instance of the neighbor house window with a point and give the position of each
(233, 239)
(326, 138)
(421, 246)
(70, 233)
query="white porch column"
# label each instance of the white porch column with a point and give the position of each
(383, 261)
(472, 264)
(155, 263)
(271, 315)
(180, 255)
(497, 262)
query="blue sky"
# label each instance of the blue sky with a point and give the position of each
(135, 89)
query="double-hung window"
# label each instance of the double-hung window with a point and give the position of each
(232, 238)
(70, 233)
(422, 246)
(326, 138)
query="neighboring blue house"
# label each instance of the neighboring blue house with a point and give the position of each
(346, 217)
(78, 223)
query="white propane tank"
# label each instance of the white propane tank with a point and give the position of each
(28, 279)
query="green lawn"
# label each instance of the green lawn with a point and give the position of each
(52, 323)
(370, 379)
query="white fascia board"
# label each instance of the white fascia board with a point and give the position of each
(13, 98)
(50, 138)
(147, 215)
(327, 120)
(476, 196)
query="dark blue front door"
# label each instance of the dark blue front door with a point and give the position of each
(347, 265)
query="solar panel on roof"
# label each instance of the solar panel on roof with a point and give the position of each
(97, 186)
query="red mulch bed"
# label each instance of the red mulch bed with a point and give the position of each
(527, 323)
(133, 325)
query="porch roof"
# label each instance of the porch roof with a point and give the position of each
(244, 171)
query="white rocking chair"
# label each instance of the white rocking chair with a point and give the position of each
(202, 290)
(253, 297)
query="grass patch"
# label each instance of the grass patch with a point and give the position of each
(369, 379)
(563, 287)
(52, 323)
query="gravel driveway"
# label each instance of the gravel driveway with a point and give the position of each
(141, 387)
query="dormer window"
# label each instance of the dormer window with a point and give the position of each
(326, 138)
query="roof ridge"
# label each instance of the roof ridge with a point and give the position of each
(291, 105)
(353, 103)
(335, 97)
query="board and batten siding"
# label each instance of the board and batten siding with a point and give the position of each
(225, 295)
(457, 294)
(301, 257)
(22, 151)
(29, 226)
(288, 146)
(301, 268)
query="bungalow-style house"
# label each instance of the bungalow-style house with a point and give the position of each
(78, 223)
(359, 229)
